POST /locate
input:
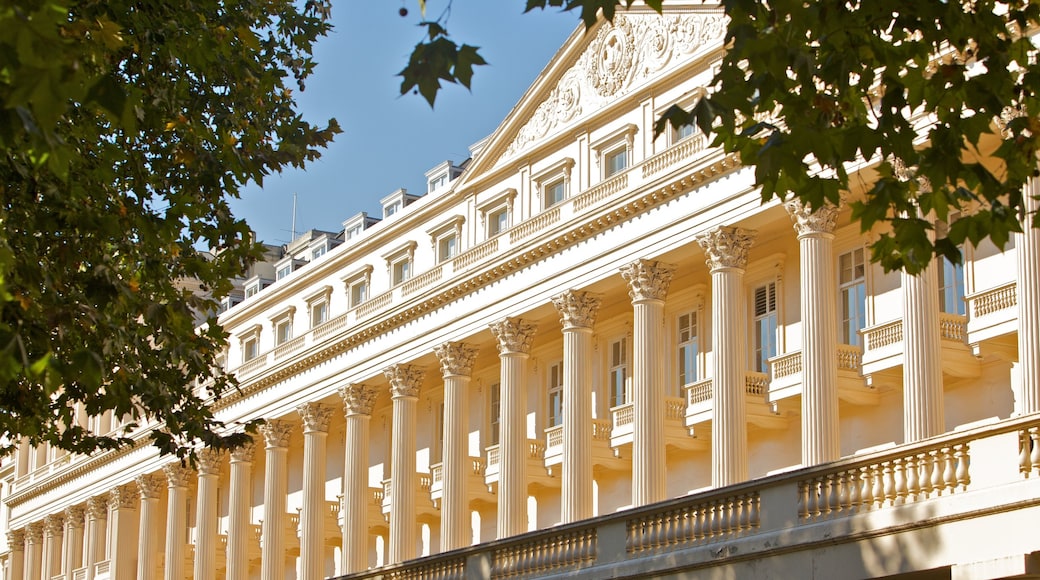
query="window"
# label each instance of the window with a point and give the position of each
(438, 182)
(399, 262)
(494, 412)
(683, 131)
(555, 386)
(318, 252)
(553, 194)
(250, 348)
(951, 287)
(283, 331)
(765, 326)
(252, 290)
(618, 373)
(852, 288)
(498, 221)
(438, 436)
(689, 348)
(353, 232)
(615, 162)
(358, 293)
(284, 271)
(401, 271)
(447, 247)
(391, 208)
(318, 305)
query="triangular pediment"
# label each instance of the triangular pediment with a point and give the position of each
(596, 69)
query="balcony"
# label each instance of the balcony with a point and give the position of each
(883, 352)
(908, 509)
(760, 412)
(333, 531)
(993, 321)
(785, 380)
(537, 474)
(676, 434)
(602, 454)
(475, 486)
(376, 520)
(423, 504)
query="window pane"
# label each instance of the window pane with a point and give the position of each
(951, 287)
(554, 193)
(616, 162)
(852, 295)
(494, 413)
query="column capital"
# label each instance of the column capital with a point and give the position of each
(54, 524)
(727, 246)
(177, 475)
(244, 453)
(358, 399)
(648, 279)
(276, 433)
(148, 486)
(405, 380)
(124, 497)
(514, 335)
(97, 508)
(34, 532)
(315, 417)
(74, 516)
(817, 220)
(16, 539)
(456, 358)
(577, 308)
(209, 461)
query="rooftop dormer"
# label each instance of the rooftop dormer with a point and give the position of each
(440, 176)
(397, 201)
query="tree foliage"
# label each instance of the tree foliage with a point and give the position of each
(941, 98)
(124, 129)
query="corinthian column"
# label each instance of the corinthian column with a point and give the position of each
(1027, 252)
(72, 553)
(312, 519)
(405, 381)
(97, 522)
(239, 532)
(820, 433)
(53, 527)
(514, 346)
(647, 286)
(577, 315)
(122, 503)
(456, 360)
(272, 535)
(16, 561)
(177, 479)
(33, 551)
(726, 249)
(209, 461)
(358, 401)
(150, 488)
(922, 357)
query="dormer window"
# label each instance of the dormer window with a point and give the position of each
(391, 209)
(353, 227)
(440, 176)
(396, 201)
(284, 271)
(554, 182)
(614, 150)
(254, 285)
(353, 232)
(286, 267)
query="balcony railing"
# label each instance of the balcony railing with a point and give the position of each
(919, 487)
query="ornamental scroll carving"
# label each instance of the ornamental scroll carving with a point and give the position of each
(177, 475)
(16, 540)
(34, 533)
(808, 221)
(209, 461)
(244, 453)
(97, 508)
(54, 524)
(577, 308)
(315, 417)
(124, 497)
(456, 358)
(74, 516)
(514, 335)
(149, 486)
(648, 279)
(616, 61)
(727, 247)
(276, 433)
(358, 399)
(405, 380)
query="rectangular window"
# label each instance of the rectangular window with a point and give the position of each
(447, 248)
(498, 221)
(615, 162)
(495, 412)
(765, 326)
(684, 131)
(284, 271)
(438, 436)
(554, 193)
(252, 290)
(353, 232)
(402, 270)
(852, 288)
(689, 348)
(319, 313)
(555, 386)
(358, 293)
(318, 252)
(618, 373)
(951, 287)
(283, 331)
(391, 209)
(250, 349)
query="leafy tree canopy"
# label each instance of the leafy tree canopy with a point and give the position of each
(124, 128)
(942, 98)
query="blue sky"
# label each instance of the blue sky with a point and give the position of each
(389, 141)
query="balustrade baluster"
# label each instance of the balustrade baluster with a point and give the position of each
(963, 463)
(949, 471)
(1025, 451)
(834, 493)
(937, 471)
(890, 483)
(732, 517)
(1034, 443)
(913, 481)
(803, 500)
(877, 491)
(699, 523)
(900, 481)
(745, 512)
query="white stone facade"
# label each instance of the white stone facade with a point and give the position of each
(637, 366)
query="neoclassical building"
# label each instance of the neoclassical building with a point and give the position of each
(586, 350)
